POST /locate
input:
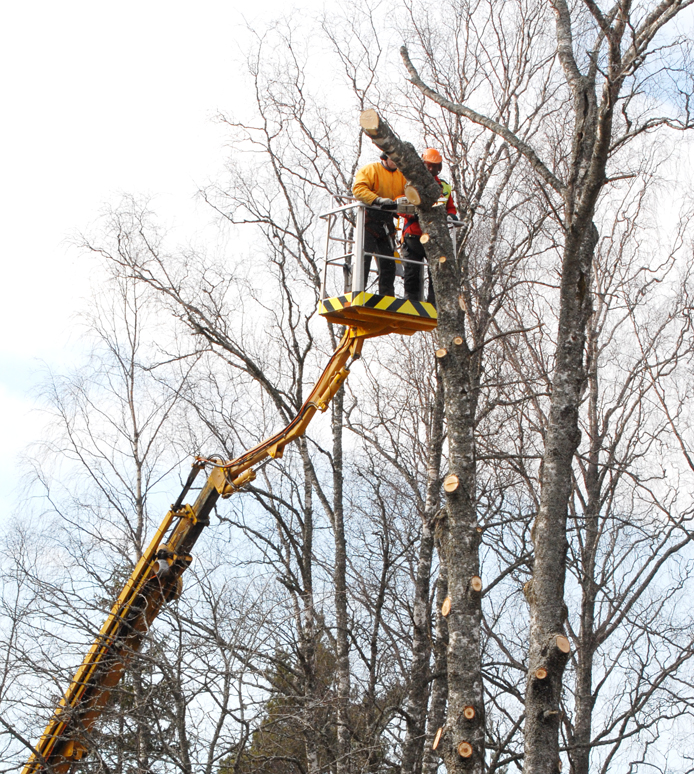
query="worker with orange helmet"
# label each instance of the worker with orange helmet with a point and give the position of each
(378, 185)
(412, 248)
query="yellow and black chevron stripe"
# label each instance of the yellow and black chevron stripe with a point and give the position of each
(383, 303)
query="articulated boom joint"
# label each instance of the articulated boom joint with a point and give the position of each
(187, 512)
(168, 558)
(336, 382)
(276, 451)
(227, 484)
(74, 751)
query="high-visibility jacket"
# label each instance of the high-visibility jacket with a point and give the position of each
(375, 180)
(412, 227)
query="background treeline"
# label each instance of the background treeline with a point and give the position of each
(309, 637)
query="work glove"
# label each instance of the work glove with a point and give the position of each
(385, 204)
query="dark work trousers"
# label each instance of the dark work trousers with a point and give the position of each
(378, 240)
(413, 250)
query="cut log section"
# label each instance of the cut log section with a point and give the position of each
(369, 120)
(563, 643)
(437, 738)
(465, 749)
(451, 483)
(412, 195)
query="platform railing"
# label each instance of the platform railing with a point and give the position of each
(352, 217)
(352, 261)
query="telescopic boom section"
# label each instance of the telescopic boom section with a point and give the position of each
(156, 579)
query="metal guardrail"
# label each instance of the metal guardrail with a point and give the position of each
(352, 261)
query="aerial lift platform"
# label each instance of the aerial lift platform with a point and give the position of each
(157, 577)
(356, 305)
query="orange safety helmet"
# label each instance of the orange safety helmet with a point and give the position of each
(432, 156)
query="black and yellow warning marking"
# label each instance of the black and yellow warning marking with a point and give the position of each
(379, 314)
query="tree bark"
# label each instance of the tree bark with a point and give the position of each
(306, 622)
(546, 592)
(340, 579)
(579, 753)
(439, 684)
(419, 688)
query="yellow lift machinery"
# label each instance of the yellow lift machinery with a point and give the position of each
(156, 580)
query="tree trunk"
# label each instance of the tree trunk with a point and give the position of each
(307, 623)
(579, 753)
(439, 683)
(418, 694)
(462, 742)
(343, 764)
(547, 653)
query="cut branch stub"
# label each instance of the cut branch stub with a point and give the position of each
(465, 749)
(441, 352)
(424, 238)
(476, 583)
(442, 259)
(540, 673)
(563, 643)
(446, 607)
(437, 738)
(528, 589)
(451, 482)
(412, 195)
(458, 340)
(469, 712)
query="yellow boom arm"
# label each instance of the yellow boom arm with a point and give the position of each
(156, 579)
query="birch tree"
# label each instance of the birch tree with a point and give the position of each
(606, 58)
(98, 476)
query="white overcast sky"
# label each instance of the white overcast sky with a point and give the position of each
(97, 99)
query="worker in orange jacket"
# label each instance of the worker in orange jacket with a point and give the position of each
(412, 249)
(378, 185)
